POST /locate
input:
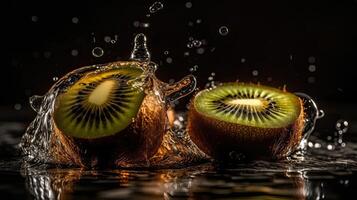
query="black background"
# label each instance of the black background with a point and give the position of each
(265, 33)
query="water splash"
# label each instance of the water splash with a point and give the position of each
(312, 114)
(140, 51)
(156, 6)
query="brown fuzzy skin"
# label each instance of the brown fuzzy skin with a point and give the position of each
(134, 145)
(218, 138)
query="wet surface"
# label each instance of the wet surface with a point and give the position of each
(327, 171)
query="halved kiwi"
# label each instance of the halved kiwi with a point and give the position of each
(246, 120)
(102, 119)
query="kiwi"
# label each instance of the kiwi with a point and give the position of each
(238, 120)
(103, 120)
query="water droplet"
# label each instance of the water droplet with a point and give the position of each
(255, 72)
(34, 18)
(136, 24)
(311, 59)
(188, 5)
(317, 145)
(198, 21)
(55, 78)
(242, 60)
(75, 20)
(140, 51)
(196, 43)
(97, 52)
(310, 144)
(330, 147)
(200, 50)
(113, 41)
(223, 30)
(342, 126)
(93, 37)
(47, 54)
(194, 68)
(166, 52)
(190, 23)
(311, 79)
(169, 60)
(17, 106)
(145, 25)
(190, 39)
(107, 39)
(213, 74)
(186, 53)
(148, 15)
(156, 7)
(74, 52)
(312, 68)
(290, 57)
(189, 45)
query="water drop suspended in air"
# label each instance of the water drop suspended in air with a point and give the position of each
(74, 52)
(75, 20)
(197, 43)
(97, 52)
(194, 68)
(200, 50)
(311, 59)
(166, 52)
(140, 51)
(198, 21)
(342, 126)
(223, 30)
(17, 106)
(55, 78)
(156, 7)
(188, 5)
(312, 68)
(255, 72)
(189, 45)
(107, 39)
(169, 60)
(34, 18)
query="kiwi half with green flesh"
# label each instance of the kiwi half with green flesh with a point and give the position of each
(103, 120)
(246, 120)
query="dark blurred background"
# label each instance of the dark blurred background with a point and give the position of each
(309, 46)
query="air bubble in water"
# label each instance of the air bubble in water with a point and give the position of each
(312, 68)
(75, 20)
(55, 78)
(188, 5)
(342, 126)
(156, 7)
(223, 30)
(97, 52)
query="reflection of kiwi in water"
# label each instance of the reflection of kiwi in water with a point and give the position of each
(245, 119)
(102, 119)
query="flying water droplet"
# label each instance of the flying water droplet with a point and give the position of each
(223, 30)
(140, 51)
(17, 106)
(97, 52)
(156, 7)
(198, 21)
(107, 39)
(311, 59)
(74, 52)
(166, 52)
(255, 72)
(342, 126)
(34, 18)
(55, 78)
(196, 43)
(75, 20)
(188, 5)
(169, 60)
(189, 45)
(200, 50)
(312, 68)
(194, 68)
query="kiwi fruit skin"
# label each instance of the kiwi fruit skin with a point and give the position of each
(228, 141)
(138, 142)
